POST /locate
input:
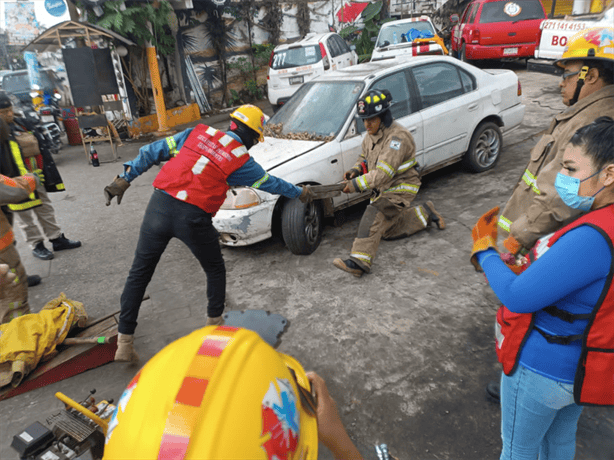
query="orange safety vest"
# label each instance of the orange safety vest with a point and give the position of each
(33, 199)
(198, 173)
(594, 380)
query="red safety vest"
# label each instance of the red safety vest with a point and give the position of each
(198, 173)
(594, 380)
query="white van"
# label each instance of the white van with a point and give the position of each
(294, 64)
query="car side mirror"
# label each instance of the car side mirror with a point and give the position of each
(454, 19)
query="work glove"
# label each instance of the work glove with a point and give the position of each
(116, 188)
(351, 174)
(37, 179)
(41, 176)
(306, 194)
(484, 235)
(514, 246)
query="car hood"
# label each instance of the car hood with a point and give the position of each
(274, 152)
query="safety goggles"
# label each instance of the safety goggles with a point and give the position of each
(308, 400)
(566, 75)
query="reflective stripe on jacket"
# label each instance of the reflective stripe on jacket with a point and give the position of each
(594, 380)
(198, 173)
(34, 200)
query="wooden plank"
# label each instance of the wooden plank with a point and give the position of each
(70, 360)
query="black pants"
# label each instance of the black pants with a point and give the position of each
(165, 218)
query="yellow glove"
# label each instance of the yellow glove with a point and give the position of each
(484, 235)
(41, 176)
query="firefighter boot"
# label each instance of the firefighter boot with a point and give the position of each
(215, 321)
(434, 216)
(62, 242)
(125, 348)
(349, 266)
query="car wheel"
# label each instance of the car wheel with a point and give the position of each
(302, 225)
(463, 54)
(484, 148)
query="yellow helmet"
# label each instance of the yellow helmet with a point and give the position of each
(218, 393)
(252, 117)
(595, 43)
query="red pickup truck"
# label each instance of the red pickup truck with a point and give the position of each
(495, 29)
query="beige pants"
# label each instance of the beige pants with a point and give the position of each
(45, 215)
(384, 219)
(14, 297)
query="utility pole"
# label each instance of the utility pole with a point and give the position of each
(156, 83)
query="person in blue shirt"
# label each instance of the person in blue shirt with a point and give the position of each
(189, 190)
(566, 300)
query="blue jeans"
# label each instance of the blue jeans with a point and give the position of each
(165, 218)
(538, 417)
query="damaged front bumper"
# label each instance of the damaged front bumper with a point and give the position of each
(242, 227)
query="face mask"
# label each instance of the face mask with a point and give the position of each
(567, 188)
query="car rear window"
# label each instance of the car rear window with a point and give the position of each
(393, 34)
(21, 82)
(296, 57)
(520, 10)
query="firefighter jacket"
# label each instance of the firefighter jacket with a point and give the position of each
(13, 190)
(198, 173)
(387, 166)
(535, 208)
(594, 378)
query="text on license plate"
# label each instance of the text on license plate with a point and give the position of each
(510, 50)
(47, 118)
(296, 80)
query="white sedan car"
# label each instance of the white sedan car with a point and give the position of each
(455, 112)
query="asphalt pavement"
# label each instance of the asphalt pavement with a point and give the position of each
(407, 350)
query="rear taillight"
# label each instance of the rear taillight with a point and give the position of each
(322, 50)
(519, 88)
(46, 111)
(271, 58)
(476, 36)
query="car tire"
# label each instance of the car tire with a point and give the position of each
(484, 148)
(302, 225)
(463, 54)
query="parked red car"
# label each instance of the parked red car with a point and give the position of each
(495, 29)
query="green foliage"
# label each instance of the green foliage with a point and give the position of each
(364, 38)
(133, 22)
(234, 98)
(253, 89)
(244, 66)
(262, 53)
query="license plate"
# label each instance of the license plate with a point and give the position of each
(508, 51)
(47, 119)
(296, 80)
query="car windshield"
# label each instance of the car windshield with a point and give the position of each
(317, 111)
(19, 83)
(521, 10)
(296, 57)
(394, 34)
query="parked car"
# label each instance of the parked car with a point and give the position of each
(496, 29)
(294, 64)
(455, 112)
(555, 33)
(18, 83)
(408, 37)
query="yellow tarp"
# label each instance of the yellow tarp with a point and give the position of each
(30, 339)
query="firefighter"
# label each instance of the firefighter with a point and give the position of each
(535, 209)
(23, 156)
(222, 392)
(189, 191)
(386, 168)
(14, 294)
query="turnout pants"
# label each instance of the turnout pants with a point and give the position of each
(387, 220)
(13, 297)
(45, 214)
(165, 218)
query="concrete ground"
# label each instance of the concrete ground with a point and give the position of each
(407, 350)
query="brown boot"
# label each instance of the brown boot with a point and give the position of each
(349, 266)
(215, 321)
(125, 348)
(434, 216)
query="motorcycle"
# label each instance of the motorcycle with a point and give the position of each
(48, 133)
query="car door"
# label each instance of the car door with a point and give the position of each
(457, 31)
(335, 53)
(346, 56)
(448, 107)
